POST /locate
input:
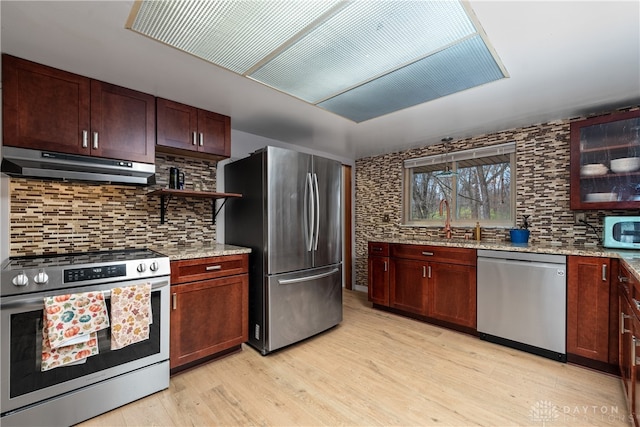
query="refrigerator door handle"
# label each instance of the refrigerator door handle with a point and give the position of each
(310, 213)
(317, 222)
(307, 278)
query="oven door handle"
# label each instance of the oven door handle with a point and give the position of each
(37, 298)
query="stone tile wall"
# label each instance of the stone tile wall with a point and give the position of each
(542, 191)
(55, 216)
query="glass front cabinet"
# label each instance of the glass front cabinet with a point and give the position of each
(605, 162)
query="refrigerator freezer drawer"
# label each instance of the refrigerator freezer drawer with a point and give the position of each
(302, 304)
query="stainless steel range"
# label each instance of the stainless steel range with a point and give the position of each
(69, 394)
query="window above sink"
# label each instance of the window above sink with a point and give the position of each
(477, 184)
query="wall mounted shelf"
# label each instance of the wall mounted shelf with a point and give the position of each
(166, 195)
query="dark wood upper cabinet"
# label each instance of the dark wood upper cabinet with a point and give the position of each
(53, 110)
(44, 108)
(601, 178)
(190, 131)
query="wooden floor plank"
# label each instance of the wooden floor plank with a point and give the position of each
(379, 369)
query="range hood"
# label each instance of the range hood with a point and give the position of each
(23, 162)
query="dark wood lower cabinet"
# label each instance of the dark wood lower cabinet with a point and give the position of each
(408, 286)
(436, 284)
(452, 295)
(378, 284)
(209, 317)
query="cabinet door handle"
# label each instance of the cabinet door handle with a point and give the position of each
(174, 301)
(193, 138)
(427, 253)
(622, 328)
(95, 140)
(604, 272)
(85, 138)
(385, 266)
(424, 271)
(623, 279)
(213, 267)
(201, 139)
(429, 269)
(633, 351)
(636, 302)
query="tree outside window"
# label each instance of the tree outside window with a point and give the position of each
(479, 188)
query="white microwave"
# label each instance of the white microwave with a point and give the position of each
(621, 232)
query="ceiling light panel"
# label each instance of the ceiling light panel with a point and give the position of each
(357, 58)
(451, 70)
(233, 34)
(364, 40)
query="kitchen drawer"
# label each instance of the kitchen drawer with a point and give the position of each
(378, 249)
(427, 253)
(208, 268)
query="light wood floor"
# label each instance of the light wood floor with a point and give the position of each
(377, 368)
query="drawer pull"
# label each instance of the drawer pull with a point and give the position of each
(427, 253)
(213, 267)
(623, 279)
(377, 249)
(623, 330)
(637, 303)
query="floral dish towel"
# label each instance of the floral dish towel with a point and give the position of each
(130, 315)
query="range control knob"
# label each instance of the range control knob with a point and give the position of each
(41, 278)
(20, 280)
(154, 266)
(142, 267)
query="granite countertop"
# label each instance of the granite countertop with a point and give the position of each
(630, 257)
(176, 253)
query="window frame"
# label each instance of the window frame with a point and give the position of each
(453, 159)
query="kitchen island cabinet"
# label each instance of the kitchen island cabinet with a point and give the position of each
(190, 131)
(209, 308)
(53, 110)
(591, 301)
(432, 283)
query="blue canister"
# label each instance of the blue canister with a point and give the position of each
(519, 235)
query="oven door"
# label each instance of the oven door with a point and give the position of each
(23, 382)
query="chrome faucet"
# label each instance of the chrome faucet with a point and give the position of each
(447, 221)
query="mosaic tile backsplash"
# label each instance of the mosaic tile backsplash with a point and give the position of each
(542, 191)
(54, 216)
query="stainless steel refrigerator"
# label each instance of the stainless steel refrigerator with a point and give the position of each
(290, 216)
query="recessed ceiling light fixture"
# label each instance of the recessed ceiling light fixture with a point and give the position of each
(359, 59)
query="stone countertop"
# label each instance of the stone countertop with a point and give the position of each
(176, 253)
(630, 257)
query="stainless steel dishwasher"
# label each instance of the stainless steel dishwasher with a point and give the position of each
(522, 301)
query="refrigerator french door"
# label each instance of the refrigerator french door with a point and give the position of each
(290, 216)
